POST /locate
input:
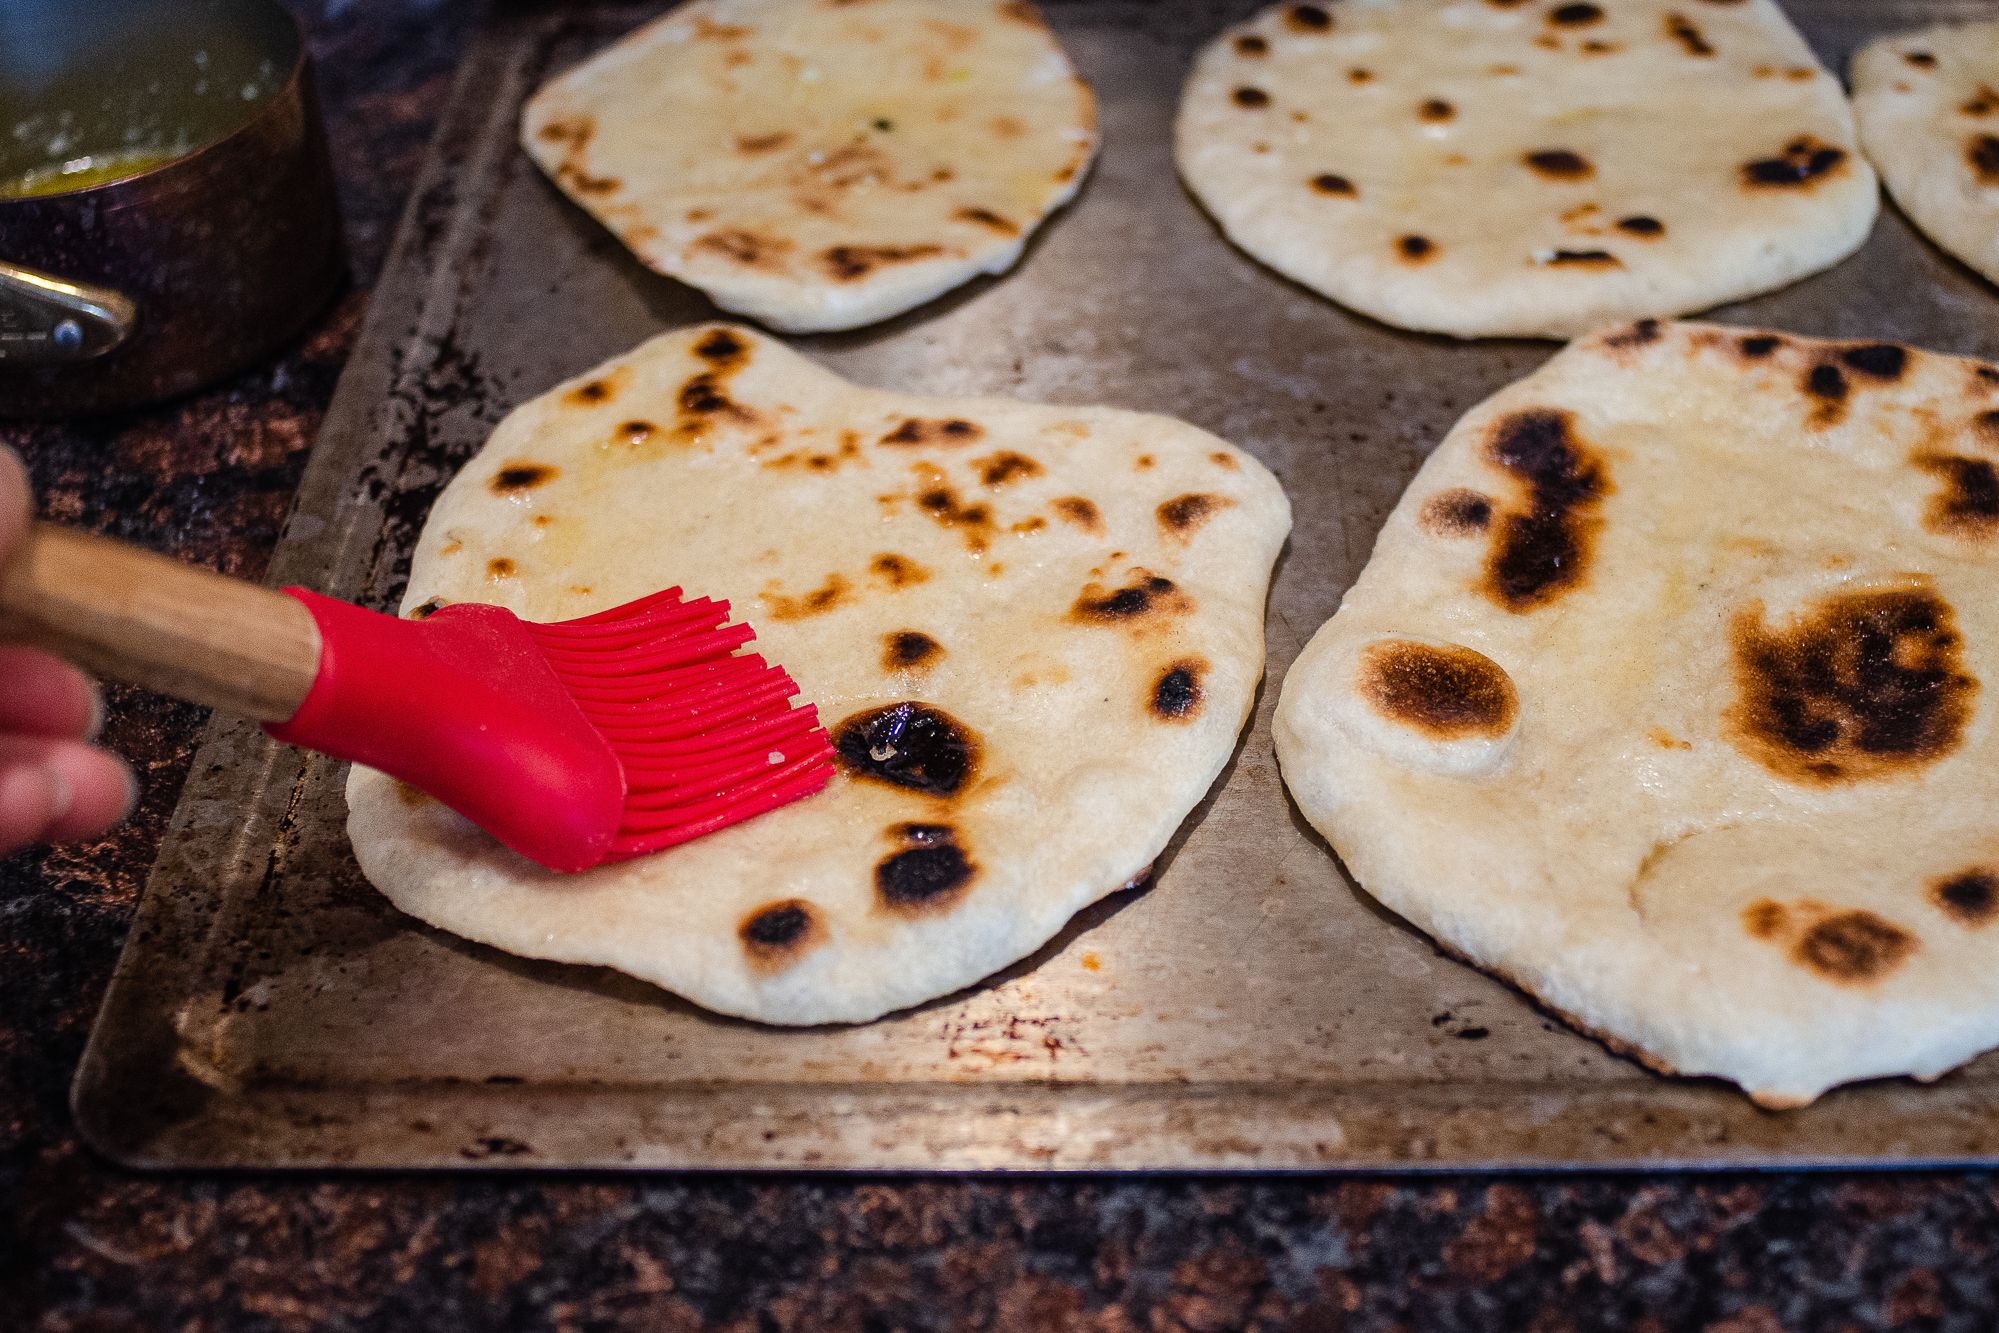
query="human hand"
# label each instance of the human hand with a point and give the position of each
(54, 787)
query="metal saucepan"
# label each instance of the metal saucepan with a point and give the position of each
(167, 213)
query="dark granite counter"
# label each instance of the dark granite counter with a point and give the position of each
(84, 1245)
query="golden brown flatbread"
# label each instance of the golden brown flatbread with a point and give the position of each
(815, 164)
(1492, 168)
(1034, 633)
(1667, 694)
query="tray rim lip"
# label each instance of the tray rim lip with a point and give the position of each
(266, 1106)
(422, 282)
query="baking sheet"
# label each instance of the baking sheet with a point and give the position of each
(1249, 1010)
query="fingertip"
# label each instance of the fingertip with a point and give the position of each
(44, 696)
(102, 792)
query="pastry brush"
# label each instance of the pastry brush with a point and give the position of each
(574, 743)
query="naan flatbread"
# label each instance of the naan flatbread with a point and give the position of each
(1034, 633)
(1490, 168)
(1667, 695)
(1928, 104)
(821, 164)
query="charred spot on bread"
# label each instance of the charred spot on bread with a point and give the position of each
(1307, 18)
(910, 650)
(1682, 30)
(1640, 224)
(1143, 596)
(1982, 152)
(1828, 385)
(851, 263)
(898, 571)
(1542, 550)
(1881, 361)
(1078, 511)
(1252, 46)
(517, 477)
(703, 402)
(1636, 335)
(911, 745)
(1859, 685)
(828, 595)
(780, 933)
(598, 390)
(1252, 98)
(1448, 693)
(1970, 897)
(500, 568)
(1575, 15)
(575, 131)
(1560, 164)
(1756, 346)
(1006, 466)
(1595, 259)
(1327, 182)
(739, 245)
(1765, 919)
(1183, 514)
(941, 501)
(928, 876)
(1416, 249)
(1968, 504)
(991, 221)
(1436, 110)
(1803, 162)
(722, 349)
(1853, 948)
(1176, 694)
(1458, 512)
(913, 431)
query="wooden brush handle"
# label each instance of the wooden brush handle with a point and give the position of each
(151, 621)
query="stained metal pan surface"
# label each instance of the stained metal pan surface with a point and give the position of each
(1251, 1010)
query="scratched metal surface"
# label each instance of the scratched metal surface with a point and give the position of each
(1251, 1010)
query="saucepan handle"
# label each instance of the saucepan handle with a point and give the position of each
(51, 321)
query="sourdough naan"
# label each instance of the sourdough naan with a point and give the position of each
(1485, 168)
(1667, 694)
(1928, 104)
(1034, 633)
(821, 164)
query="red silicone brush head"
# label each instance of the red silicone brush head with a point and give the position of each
(574, 743)
(706, 737)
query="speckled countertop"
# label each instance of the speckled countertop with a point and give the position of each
(87, 1246)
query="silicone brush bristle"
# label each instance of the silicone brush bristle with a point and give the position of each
(707, 738)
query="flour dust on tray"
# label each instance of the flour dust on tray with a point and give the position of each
(1491, 168)
(821, 165)
(1928, 103)
(1667, 694)
(1033, 632)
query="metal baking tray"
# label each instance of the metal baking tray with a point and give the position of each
(1248, 1010)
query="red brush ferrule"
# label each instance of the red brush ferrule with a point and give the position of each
(464, 707)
